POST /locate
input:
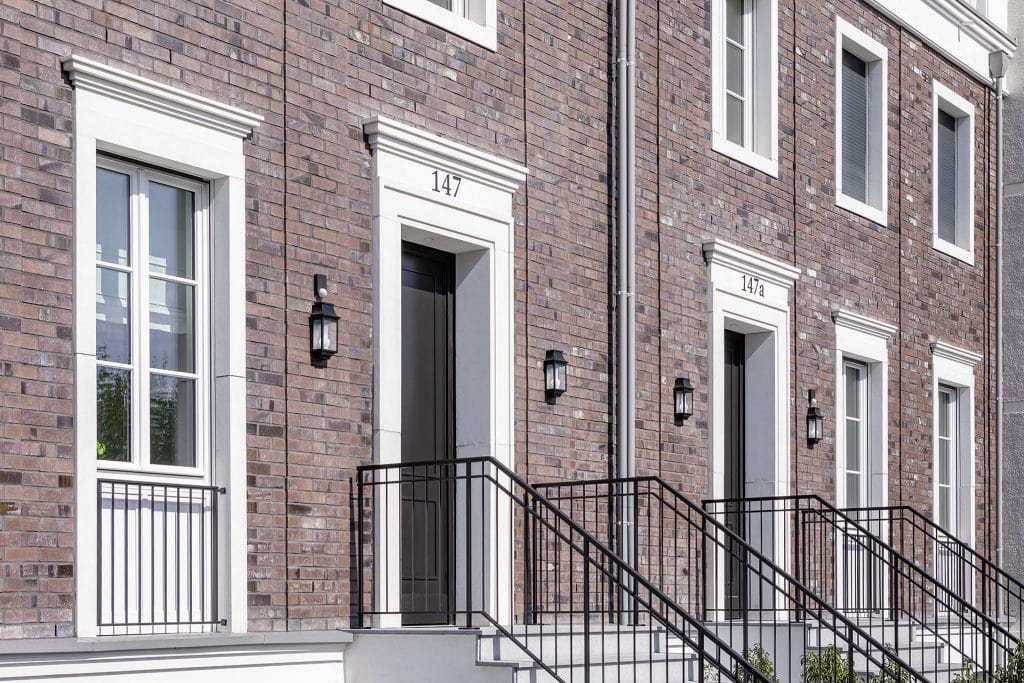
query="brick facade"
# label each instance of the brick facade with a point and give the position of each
(315, 70)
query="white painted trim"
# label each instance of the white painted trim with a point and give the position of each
(865, 340)
(953, 366)
(765, 101)
(953, 29)
(956, 354)
(175, 130)
(477, 225)
(483, 32)
(86, 74)
(959, 108)
(766, 316)
(852, 39)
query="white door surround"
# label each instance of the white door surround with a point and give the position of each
(750, 293)
(451, 197)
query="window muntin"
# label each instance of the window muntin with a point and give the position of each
(946, 457)
(861, 65)
(952, 173)
(150, 319)
(737, 71)
(855, 380)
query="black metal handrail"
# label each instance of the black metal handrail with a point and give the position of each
(996, 593)
(705, 565)
(856, 567)
(628, 630)
(157, 557)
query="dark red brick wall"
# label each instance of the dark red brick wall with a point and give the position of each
(314, 71)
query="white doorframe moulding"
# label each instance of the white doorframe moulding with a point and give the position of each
(866, 340)
(471, 217)
(750, 293)
(954, 367)
(121, 113)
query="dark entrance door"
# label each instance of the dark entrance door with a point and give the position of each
(428, 314)
(735, 470)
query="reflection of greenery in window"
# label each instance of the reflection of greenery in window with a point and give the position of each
(113, 402)
(163, 427)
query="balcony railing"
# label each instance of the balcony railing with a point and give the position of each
(156, 551)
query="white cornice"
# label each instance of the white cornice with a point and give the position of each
(952, 28)
(954, 353)
(384, 134)
(861, 323)
(719, 252)
(86, 74)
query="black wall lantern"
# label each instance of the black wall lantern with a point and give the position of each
(554, 375)
(815, 420)
(682, 394)
(323, 325)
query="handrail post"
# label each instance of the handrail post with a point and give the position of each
(360, 611)
(586, 610)
(469, 543)
(528, 560)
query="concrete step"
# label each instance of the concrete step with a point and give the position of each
(568, 643)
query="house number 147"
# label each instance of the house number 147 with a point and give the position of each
(753, 285)
(447, 183)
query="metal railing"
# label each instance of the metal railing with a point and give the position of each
(856, 567)
(710, 568)
(445, 542)
(952, 561)
(156, 551)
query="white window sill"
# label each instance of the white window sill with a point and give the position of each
(723, 145)
(950, 249)
(485, 36)
(861, 209)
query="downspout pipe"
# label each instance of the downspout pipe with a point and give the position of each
(997, 65)
(625, 103)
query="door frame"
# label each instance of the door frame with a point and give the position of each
(475, 223)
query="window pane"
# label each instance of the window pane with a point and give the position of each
(853, 445)
(113, 325)
(112, 214)
(734, 21)
(852, 391)
(855, 127)
(446, 4)
(734, 120)
(171, 326)
(113, 414)
(734, 70)
(945, 158)
(172, 421)
(853, 498)
(945, 400)
(944, 508)
(171, 216)
(943, 462)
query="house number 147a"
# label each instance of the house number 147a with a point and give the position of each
(447, 183)
(753, 285)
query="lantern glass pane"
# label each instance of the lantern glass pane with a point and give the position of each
(688, 402)
(560, 377)
(680, 401)
(549, 377)
(330, 335)
(317, 334)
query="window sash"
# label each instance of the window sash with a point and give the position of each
(947, 457)
(855, 448)
(738, 74)
(856, 127)
(143, 374)
(947, 160)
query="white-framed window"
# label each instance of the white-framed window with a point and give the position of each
(855, 424)
(952, 173)
(953, 477)
(861, 123)
(152, 320)
(474, 20)
(745, 71)
(159, 317)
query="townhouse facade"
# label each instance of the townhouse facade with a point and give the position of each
(249, 248)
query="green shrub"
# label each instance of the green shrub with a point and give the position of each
(1013, 672)
(967, 673)
(762, 663)
(892, 671)
(828, 666)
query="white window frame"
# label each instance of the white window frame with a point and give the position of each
(944, 99)
(138, 269)
(855, 41)
(121, 114)
(954, 451)
(864, 456)
(474, 20)
(953, 367)
(864, 341)
(762, 79)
